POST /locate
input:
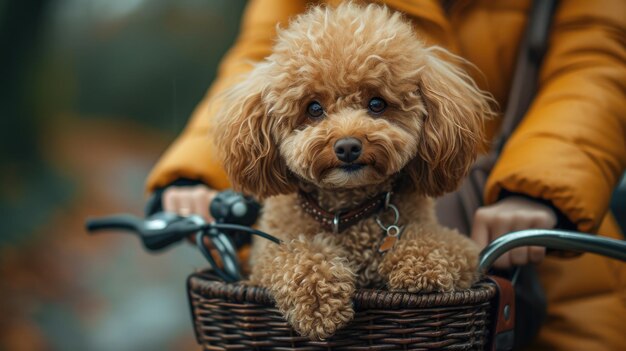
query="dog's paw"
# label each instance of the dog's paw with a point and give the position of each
(321, 308)
(416, 274)
(423, 266)
(313, 285)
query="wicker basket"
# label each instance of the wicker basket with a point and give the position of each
(239, 317)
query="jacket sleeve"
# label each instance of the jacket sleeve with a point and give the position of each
(570, 149)
(190, 156)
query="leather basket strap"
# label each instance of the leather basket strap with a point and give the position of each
(502, 331)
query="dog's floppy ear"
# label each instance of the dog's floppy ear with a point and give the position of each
(452, 131)
(244, 134)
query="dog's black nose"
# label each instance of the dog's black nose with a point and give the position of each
(348, 149)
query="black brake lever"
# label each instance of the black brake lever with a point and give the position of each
(156, 232)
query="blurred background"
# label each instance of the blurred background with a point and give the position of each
(92, 93)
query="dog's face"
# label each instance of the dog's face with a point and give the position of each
(349, 98)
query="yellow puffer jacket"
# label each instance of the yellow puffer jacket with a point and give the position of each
(570, 149)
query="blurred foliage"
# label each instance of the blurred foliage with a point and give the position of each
(148, 61)
(92, 92)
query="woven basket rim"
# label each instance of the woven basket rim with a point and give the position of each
(208, 285)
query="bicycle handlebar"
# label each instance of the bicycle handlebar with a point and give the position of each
(553, 239)
(236, 213)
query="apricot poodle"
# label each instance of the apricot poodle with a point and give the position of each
(347, 130)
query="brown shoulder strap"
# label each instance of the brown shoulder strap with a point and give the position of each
(529, 58)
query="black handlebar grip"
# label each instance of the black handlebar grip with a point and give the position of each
(122, 221)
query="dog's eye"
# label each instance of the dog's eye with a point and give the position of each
(377, 105)
(315, 110)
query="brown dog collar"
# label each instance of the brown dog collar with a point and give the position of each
(339, 221)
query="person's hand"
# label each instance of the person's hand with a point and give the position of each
(188, 200)
(508, 215)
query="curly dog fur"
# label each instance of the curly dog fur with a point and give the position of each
(421, 146)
